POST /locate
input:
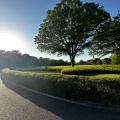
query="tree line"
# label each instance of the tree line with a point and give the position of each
(95, 61)
(14, 59)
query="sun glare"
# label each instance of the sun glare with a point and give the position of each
(10, 42)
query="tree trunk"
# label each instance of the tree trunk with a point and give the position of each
(72, 59)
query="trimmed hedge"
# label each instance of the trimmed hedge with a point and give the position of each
(92, 69)
(70, 87)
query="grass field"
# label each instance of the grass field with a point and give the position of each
(58, 69)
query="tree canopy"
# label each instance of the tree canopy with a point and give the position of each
(107, 39)
(14, 59)
(69, 27)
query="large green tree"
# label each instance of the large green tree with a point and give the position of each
(107, 39)
(69, 27)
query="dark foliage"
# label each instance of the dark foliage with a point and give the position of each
(14, 59)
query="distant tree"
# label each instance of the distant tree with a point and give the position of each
(90, 62)
(9, 58)
(95, 61)
(68, 28)
(53, 62)
(2, 51)
(1, 59)
(82, 62)
(115, 59)
(98, 62)
(42, 62)
(61, 62)
(33, 61)
(14, 59)
(106, 61)
(67, 62)
(29, 61)
(107, 39)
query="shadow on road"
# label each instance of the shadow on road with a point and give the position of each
(65, 110)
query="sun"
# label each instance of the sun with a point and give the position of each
(9, 41)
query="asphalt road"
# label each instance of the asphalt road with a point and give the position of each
(17, 103)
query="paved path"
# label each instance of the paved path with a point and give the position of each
(17, 103)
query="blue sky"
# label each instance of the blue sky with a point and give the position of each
(20, 19)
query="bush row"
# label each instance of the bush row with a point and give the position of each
(70, 87)
(91, 69)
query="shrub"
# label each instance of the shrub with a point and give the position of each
(106, 61)
(106, 90)
(95, 61)
(115, 59)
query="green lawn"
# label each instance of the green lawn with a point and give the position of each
(57, 70)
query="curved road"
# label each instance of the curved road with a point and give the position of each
(18, 103)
